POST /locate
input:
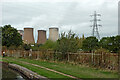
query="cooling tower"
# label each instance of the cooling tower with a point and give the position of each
(28, 36)
(53, 34)
(41, 37)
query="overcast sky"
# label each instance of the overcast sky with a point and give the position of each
(65, 15)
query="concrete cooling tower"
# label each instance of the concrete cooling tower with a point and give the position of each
(53, 34)
(28, 36)
(41, 37)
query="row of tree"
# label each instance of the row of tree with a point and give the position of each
(68, 42)
(109, 43)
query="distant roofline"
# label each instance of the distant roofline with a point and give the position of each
(28, 28)
(41, 30)
(53, 28)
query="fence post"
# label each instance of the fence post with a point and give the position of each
(37, 54)
(30, 54)
(68, 57)
(119, 64)
(54, 55)
(92, 57)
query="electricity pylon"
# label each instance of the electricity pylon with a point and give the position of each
(95, 25)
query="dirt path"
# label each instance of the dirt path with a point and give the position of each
(50, 70)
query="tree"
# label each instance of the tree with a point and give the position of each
(10, 36)
(114, 44)
(81, 41)
(110, 43)
(117, 43)
(68, 42)
(104, 42)
(90, 44)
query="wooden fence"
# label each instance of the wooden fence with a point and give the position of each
(101, 60)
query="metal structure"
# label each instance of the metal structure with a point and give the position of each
(95, 25)
(28, 36)
(41, 37)
(53, 34)
(21, 33)
(119, 35)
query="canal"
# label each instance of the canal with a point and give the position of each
(8, 73)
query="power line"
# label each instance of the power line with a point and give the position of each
(95, 25)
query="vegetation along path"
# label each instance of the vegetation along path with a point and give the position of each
(76, 71)
(48, 69)
(23, 62)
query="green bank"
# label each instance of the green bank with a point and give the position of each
(74, 70)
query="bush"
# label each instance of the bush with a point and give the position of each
(49, 45)
(101, 50)
(27, 46)
(12, 47)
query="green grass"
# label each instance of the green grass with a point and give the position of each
(74, 70)
(38, 70)
(0, 58)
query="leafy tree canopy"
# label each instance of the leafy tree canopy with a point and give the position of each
(90, 43)
(10, 36)
(111, 43)
(68, 42)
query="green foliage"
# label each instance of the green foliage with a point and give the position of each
(104, 42)
(68, 42)
(12, 47)
(4, 48)
(101, 50)
(27, 46)
(35, 47)
(10, 36)
(49, 45)
(20, 47)
(110, 43)
(90, 43)
(117, 44)
(81, 41)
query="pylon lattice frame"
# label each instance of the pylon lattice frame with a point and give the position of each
(95, 25)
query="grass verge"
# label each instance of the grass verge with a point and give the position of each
(43, 72)
(74, 70)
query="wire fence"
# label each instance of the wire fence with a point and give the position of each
(99, 60)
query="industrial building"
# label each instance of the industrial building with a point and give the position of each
(53, 34)
(21, 33)
(28, 36)
(41, 37)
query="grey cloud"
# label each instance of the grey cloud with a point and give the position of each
(65, 15)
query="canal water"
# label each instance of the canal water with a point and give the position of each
(9, 74)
